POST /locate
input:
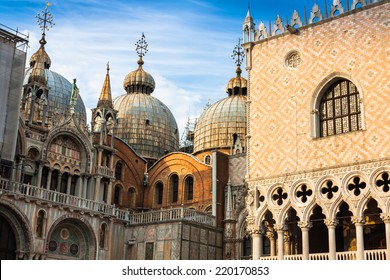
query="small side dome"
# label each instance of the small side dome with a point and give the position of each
(139, 80)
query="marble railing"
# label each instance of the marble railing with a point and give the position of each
(349, 255)
(163, 215)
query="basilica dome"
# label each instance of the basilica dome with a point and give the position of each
(59, 89)
(144, 122)
(224, 121)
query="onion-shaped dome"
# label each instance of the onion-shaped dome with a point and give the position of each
(221, 123)
(139, 80)
(144, 122)
(60, 90)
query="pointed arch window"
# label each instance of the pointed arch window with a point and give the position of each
(339, 109)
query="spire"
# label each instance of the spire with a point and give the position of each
(237, 85)
(248, 27)
(139, 81)
(40, 60)
(105, 99)
(45, 22)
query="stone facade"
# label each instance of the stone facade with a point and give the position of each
(293, 169)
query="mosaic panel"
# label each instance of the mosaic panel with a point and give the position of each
(194, 251)
(161, 232)
(167, 250)
(185, 250)
(150, 233)
(203, 236)
(203, 252)
(195, 234)
(159, 254)
(175, 250)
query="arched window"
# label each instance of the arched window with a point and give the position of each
(207, 159)
(118, 171)
(339, 109)
(131, 193)
(174, 186)
(103, 236)
(40, 223)
(189, 188)
(159, 192)
(117, 194)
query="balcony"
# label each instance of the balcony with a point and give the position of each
(105, 171)
(81, 204)
(347, 256)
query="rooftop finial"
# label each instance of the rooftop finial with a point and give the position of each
(238, 54)
(141, 48)
(45, 21)
(108, 67)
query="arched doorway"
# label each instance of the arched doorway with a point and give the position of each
(7, 241)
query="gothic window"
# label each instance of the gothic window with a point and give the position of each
(159, 192)
(339, 109)
(174, 186)
(118, 171)
(189, 188)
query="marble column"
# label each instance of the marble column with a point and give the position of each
(39, 178)
(280, 232)
(257, 244)
(48, 179)
(271, 237)
(97, 188)
(331, 224)
(359, 222)
(305, 227)
(68, 183)
(386, 219)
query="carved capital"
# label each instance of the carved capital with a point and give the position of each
(303, 224)
(357, 220)
(385, 217)
(331, 222)
(280, 227)
(270, 235)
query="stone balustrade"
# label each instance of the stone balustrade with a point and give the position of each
(82, 204)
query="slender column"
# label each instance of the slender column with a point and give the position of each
(280, 231)
(331, 224)
(32, 107)
(386, 219)
(44, 114)
(59, 181)
(358, 221)
(305, 227)
(271, 237)
(97, 188)
(79, 186)
(19, 169)
(84, 187)
(48, 179)
(287, 243)
(257, 244)
(109, 192)
(68, 183)
(39, 178)
(99, 157)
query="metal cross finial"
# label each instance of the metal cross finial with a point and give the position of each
(45, 19)
(141, 46)
(238, 54)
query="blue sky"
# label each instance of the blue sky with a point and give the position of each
(190, 43)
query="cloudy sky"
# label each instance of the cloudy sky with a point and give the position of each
(190, 43)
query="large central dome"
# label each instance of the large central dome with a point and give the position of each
(145, 122)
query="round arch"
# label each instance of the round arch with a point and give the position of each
(71, 237)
